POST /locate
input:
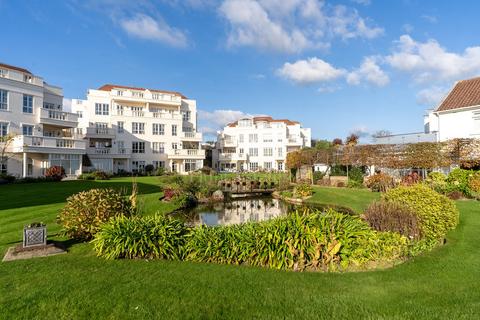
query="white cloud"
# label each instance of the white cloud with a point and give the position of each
(429, 61)
(408, 28)
(310, 71)
(368, 71)
(364, 2)
(431, 96)
(429, 18)
(145, 27)
(291, 26)
(212, 121)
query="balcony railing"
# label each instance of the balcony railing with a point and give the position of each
(48, 142)
(192, 135)
(100, 132)
(57, 117)
(109, 151)
(189, 153)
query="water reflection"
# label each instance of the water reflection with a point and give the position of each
(236, 211)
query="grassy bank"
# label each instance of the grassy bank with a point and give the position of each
(441, 284)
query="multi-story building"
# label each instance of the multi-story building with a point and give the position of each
(457, 116)
(35, 132)
(258, 143)
(128, 128)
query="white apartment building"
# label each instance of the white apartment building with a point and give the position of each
(31, 111)
(258, 143)
(128, 128)
(457, 116)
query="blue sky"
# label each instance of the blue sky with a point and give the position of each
(336, 66)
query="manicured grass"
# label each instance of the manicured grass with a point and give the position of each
(442, 284)
(356, 199)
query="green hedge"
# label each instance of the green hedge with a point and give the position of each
(436, 213)
(299, 241)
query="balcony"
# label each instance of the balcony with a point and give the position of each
(58, 118)
(294, 141)
(48, 145)
(146, 96)
(232, 157)
(107, 133)
(187, 154)
(109, 153)
(191, 136)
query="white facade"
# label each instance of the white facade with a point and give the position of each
(31, 111)
(258, 143)
(128, 128)
(455, 123)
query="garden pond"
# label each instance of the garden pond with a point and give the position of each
(241, 210)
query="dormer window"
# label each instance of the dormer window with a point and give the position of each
(155, 96)
(119, 93)
(3, 73)
(137, 94)
(27, 78)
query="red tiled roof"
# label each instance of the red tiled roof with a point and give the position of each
(267, 119)
(7, 66)
(109, 87)
(465, 93)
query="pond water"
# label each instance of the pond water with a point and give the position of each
(236, 211)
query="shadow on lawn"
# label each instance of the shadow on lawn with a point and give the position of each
(34, 194)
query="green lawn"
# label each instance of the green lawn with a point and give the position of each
(443, 284)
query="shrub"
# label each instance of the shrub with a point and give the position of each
(309, 241)
(100, 175)
(355, 175)
(318, 175)
(436, 213)
(149, 168)
(474, 183)
(87, 210)
(7, 178)
(380, 182)
(437, 181)
(155, 236)
(55, 173)
(160, 171)
(411, 178)
(354, 184)
(170, 191)
(303, 190)
(455, 195)
(457, 180)
(392, 216)
(86, 176)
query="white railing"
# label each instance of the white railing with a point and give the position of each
(109, 151)
(48, 142)
(58, 115)
(192, 135)
(232, 156)
(189, 152)
(166, 115)
(101, 131)
(153, 96)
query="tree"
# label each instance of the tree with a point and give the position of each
(5, 144)
(323, 145)
(352, 140)
(337, 142)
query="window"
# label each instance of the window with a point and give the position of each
(3, 129)
(80, 114)
(120, 125)
(101, 109)
(267, 165)
(3, 165)
(138, 147)
(267, 152)
(190, 165)
(27, 78)
(3, 73)
(155, 96)
(240, 150)
(280, 166)
(280, 152)
(174, 129)
(267, 138)
(174, 146)
(158, 164)
(253, 166)
(253, 152)
(186, 116)
(51, 106)
(253, 137)
(138, 166)
(138, 128)
(158, 147)
(240, 138)
(119, 110)
(27, 103)
(119, 93)
(137, 94)
(137, 111)
(27, 130)
(158, 129)
(3, 100)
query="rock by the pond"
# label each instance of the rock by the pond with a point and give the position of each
(217, 195)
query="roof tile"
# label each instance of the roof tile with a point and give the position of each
(465, 93)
